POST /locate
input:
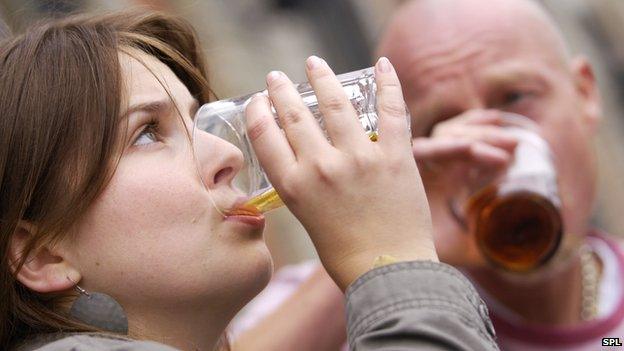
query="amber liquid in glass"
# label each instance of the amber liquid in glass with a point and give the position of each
(518, 230)
(264, 202)
(269, 199)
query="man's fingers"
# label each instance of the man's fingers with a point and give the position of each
(442, 152)
(494, 136)
(489, 155)
(481, 117)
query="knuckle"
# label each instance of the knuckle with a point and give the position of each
(333, 104)
(288, 186)
(391, 87)
(325, 172)
(393, 107)
(288, 192)
(258, 128)
(292, 115)
(361, 162)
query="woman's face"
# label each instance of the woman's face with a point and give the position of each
(153, 237)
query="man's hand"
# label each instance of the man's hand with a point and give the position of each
(461, 154)
(470, 141)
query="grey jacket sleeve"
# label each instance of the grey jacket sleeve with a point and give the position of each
(417, 306)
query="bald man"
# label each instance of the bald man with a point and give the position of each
(463, 62)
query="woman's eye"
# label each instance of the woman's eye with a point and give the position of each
(148, 135)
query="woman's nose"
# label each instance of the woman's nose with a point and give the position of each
(219, 161)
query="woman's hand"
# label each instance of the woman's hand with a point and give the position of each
(356, 198)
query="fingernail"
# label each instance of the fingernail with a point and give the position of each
(314, 62)
(384, 65)
(273, 76)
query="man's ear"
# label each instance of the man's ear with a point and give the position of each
(587, 89)
(45, 270)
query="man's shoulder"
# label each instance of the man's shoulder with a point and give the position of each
(89, 342)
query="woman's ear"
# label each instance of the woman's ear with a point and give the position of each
(45, 270)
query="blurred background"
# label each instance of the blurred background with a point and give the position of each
(245, 39)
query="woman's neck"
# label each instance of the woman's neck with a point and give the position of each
(183, 329)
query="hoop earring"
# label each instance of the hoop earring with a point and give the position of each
(99, 310)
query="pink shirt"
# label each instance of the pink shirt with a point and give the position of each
(514, 334)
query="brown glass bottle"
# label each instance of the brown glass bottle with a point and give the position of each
(516, 228)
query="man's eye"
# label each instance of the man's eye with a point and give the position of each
(148, 135)
(513, 97)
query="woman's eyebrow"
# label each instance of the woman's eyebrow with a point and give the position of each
(158, 106)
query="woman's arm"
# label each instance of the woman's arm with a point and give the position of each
(413, 305)
(360, 200)
(417, 306)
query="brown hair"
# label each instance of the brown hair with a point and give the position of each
(60, 97)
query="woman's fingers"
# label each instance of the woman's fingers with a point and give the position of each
(268, 141)
(393, 128)
(339, 116)
(302, 131)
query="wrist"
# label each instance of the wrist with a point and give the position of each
(348, 269)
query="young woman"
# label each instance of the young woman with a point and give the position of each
(101, 191)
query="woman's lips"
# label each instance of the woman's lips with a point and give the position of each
(245, 214)
(252, 220)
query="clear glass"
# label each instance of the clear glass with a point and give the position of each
(226, 119)
(515, 217)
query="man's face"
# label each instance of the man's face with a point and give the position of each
(478, 66)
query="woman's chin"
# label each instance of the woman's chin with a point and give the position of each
(267, 270)
(255, 270)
